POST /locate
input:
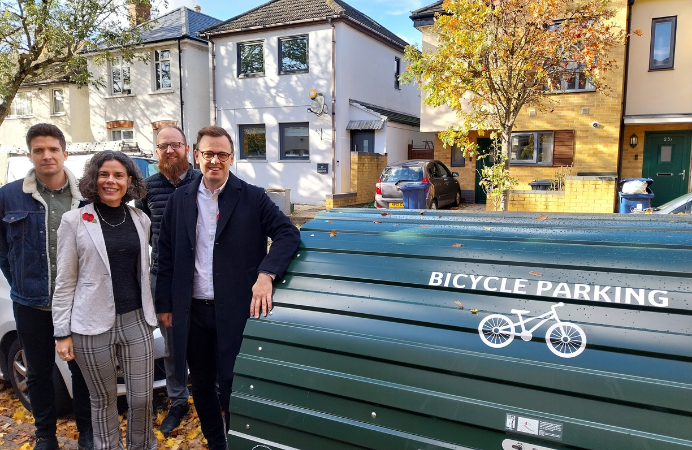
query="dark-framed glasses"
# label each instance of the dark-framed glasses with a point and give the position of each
(221, 156)
(173, 145)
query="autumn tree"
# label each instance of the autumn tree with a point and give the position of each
(495, 57)
(41, 35)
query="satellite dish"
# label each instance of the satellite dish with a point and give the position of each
(317, 105)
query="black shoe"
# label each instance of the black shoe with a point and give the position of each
(172, 420)
(46, 444)
(86, 440)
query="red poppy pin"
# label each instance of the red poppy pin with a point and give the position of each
(88, 217)
(217, 217)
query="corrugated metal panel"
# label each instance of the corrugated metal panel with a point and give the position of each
(367, 346)
(365, 125)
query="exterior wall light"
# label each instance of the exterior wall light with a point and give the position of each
(634, 140)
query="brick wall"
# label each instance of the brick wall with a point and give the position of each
(339, 200)
(366, 169)
(581, 194)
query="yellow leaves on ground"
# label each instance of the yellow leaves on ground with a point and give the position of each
(160, 416)
(535, 274)
(20, 414)
(159, 436)
(193, 433)
(542, 217)
(333, 233)
(26, 446)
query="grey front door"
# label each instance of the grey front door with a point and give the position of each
(362, 141)
(667, 162)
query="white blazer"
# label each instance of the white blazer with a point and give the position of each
(83, 301)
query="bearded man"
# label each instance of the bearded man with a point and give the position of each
(174, 172)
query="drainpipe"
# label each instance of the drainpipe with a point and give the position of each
(333, 106)
(180, 77)
(212, 51)
(621, 151)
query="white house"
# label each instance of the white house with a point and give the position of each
(136, 99)
(269, 64)
(48, 97)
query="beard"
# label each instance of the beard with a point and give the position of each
(173, 170)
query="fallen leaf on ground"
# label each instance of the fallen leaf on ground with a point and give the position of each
(542, 217)
(425, 226)
(160, 417)
(386, 214)
(459, 305)
(474, 311)
(535, 274)
(333, 233)
(26, 446)
(456, 245)
(192, 434)
(421, 213)
(376, 221)
(487, 228)
(159, 436)
(328, 221)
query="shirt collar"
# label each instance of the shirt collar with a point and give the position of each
(203, 189)
(45, 188)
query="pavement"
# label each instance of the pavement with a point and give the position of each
(305, 213)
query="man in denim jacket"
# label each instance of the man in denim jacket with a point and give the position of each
(31, 209)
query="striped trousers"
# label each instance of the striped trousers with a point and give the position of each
(129, 344)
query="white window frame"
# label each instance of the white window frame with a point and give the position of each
(22, 97)
(534, 161)
(120, 64)
(158, 62)
(53, 109)
(116, 134)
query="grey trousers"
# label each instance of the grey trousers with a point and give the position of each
(129, 344)
(177, 392)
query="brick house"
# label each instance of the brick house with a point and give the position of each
(657, 135)
(582, 131)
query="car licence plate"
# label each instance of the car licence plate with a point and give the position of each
(396, 205)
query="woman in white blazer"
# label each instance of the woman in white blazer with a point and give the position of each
(103, 311)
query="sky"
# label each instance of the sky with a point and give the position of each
(393, 14)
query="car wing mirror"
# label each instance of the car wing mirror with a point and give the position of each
(455, 174)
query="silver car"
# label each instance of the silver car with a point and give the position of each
(680, 205)
(444, 188)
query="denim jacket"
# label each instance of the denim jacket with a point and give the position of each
(24, 256)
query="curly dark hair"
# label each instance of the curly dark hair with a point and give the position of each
(88, 185)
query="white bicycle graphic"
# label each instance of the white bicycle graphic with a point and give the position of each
(564, 339)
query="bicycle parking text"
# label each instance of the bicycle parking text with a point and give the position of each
(609, 294)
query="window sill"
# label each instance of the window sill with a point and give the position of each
(661, 69)
(19, 117)
(162, 91)
(58, 114)
(120, 95)
(250, 75)
(574, 91)
(251, 160)
(291, 161)
(294, 72)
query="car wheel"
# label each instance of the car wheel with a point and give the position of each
(16, 362)
(17, 366)
(457, 199)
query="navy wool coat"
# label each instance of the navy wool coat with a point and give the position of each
(247, 216)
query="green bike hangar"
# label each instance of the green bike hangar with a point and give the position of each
(490, 331)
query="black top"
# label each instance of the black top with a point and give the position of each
(159, 188)
(122, 246)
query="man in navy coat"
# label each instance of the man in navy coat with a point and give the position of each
(214, 272)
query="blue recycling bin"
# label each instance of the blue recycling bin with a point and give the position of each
(635, 202)
(415, 195)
